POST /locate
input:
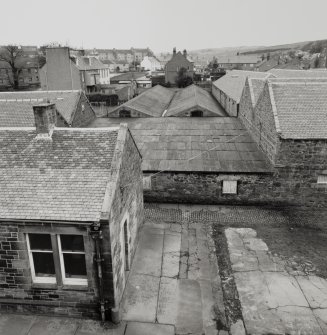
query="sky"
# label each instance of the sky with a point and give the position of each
(162, 24)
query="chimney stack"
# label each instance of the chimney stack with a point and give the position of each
(174, 51)
(185, 53)
(45, 119)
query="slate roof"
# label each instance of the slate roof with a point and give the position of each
(161, 101)
(194, 98)
(60, 179)
(300, 107)
(89, 63)
(232, 83)
(169, 143)
(16, 108)
(286, 73)
(128, 76)
(256, 88)
(152, 102)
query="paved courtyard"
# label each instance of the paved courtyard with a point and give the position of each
(175, 287)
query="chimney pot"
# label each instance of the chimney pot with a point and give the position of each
(45, 119)
(185, 53)
(174, 51)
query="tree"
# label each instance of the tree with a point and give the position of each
(12, 55)
(316, 62)
(183, 79)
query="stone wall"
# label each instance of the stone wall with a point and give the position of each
(127, 207)
(229, 105)
(206, 188)
(17, 291)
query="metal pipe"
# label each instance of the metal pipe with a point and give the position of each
(96, 234)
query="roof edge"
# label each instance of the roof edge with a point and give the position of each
(273, 106)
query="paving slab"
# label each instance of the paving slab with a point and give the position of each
(148, 256)
(138, 328)
(92, 327)
(189, 316)
(53, 326)
(321, 316)
(171, 255)
(193, 259)
(168, 301)
(140, 298)
(14, 324)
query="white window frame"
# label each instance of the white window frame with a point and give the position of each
(36, 279)
(69, 281)
(229, 187)
(322, 179)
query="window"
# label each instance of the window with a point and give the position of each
(322, 179)
(72, 259)
(41, 258)
(57, 258)
(229, 187)
(196, 114)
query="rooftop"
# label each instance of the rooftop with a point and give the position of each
(161, 101)
(286, 73)
(238, 59)
(89, 63)
(60, 179)
(232, 83)
(300, 107)
(211, 144)
(16, 108)
(128, 76)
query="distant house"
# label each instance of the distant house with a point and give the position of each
(117, 65)
(72, 108)
(162, 102)
(28, 64)
(65, 72)
(177, 62)
(239, 62)
(71, 205)
(228, 89)
(150, 63)
(136, 79)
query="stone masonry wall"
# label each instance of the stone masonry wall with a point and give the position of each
(206, 188)
(19, 294)
(226, 102)
(127, 206)
(260, 122)
(83, 116)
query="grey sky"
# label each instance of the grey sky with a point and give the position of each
(162, 24)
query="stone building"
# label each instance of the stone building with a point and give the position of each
(71, 205)
(178, 61)
(72, 107)
(287, 119)
(160, 101)
(228, 89)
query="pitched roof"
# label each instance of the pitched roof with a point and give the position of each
(238, 59)
(232, 83)
(60, 179)
(194, 98)
(128, 76)
(160, 101)
(152, 102)
(287, 73)
(16, 108)
(171, 143)
(89, 63)
(299, 107)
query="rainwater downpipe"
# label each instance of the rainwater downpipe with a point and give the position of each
(96, 234)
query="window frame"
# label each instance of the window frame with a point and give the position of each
(59, 277)
(229, 193)
(36, 279)
(70, 281)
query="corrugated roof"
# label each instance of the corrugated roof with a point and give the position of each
(194, 98)
(61, 179)
(286, 73)
(232, 83)
(300, 107)
(170, 143)
(16, 108)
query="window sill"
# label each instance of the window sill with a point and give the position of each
(70, 287)
(52, 286)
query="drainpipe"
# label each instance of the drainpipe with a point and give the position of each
(96, 234)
